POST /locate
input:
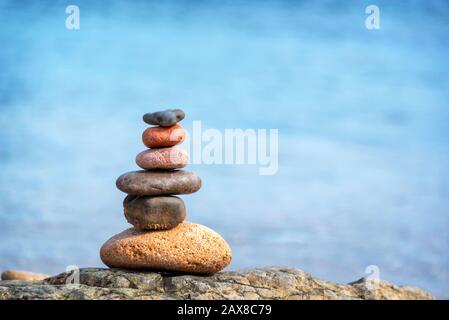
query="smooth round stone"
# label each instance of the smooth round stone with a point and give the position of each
(187, 248)
(155, 137)
(158, 183)
(22, 275)
(162, 158)
(164, 118)
(154, 213)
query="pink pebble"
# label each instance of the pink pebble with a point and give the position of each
(162, 158)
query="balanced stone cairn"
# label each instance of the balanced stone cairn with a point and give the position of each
(161, 240)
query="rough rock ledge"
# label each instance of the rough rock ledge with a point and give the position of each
(261, 283)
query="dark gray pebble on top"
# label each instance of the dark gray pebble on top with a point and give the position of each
(164, 118)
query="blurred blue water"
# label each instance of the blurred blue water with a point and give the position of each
(362, 117)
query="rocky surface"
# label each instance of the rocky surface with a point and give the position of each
(264, 283)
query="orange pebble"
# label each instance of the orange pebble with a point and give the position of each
(155, 137)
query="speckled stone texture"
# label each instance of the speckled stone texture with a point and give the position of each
(253, 284)
(156, 183)
(155, 137)
(187, 248)
(154, 213)
(162, 158)
(164, 118)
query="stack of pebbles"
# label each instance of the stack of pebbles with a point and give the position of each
(161, 240)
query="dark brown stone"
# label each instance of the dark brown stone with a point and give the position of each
(154, 213)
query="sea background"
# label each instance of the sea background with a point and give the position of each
(362, 116)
